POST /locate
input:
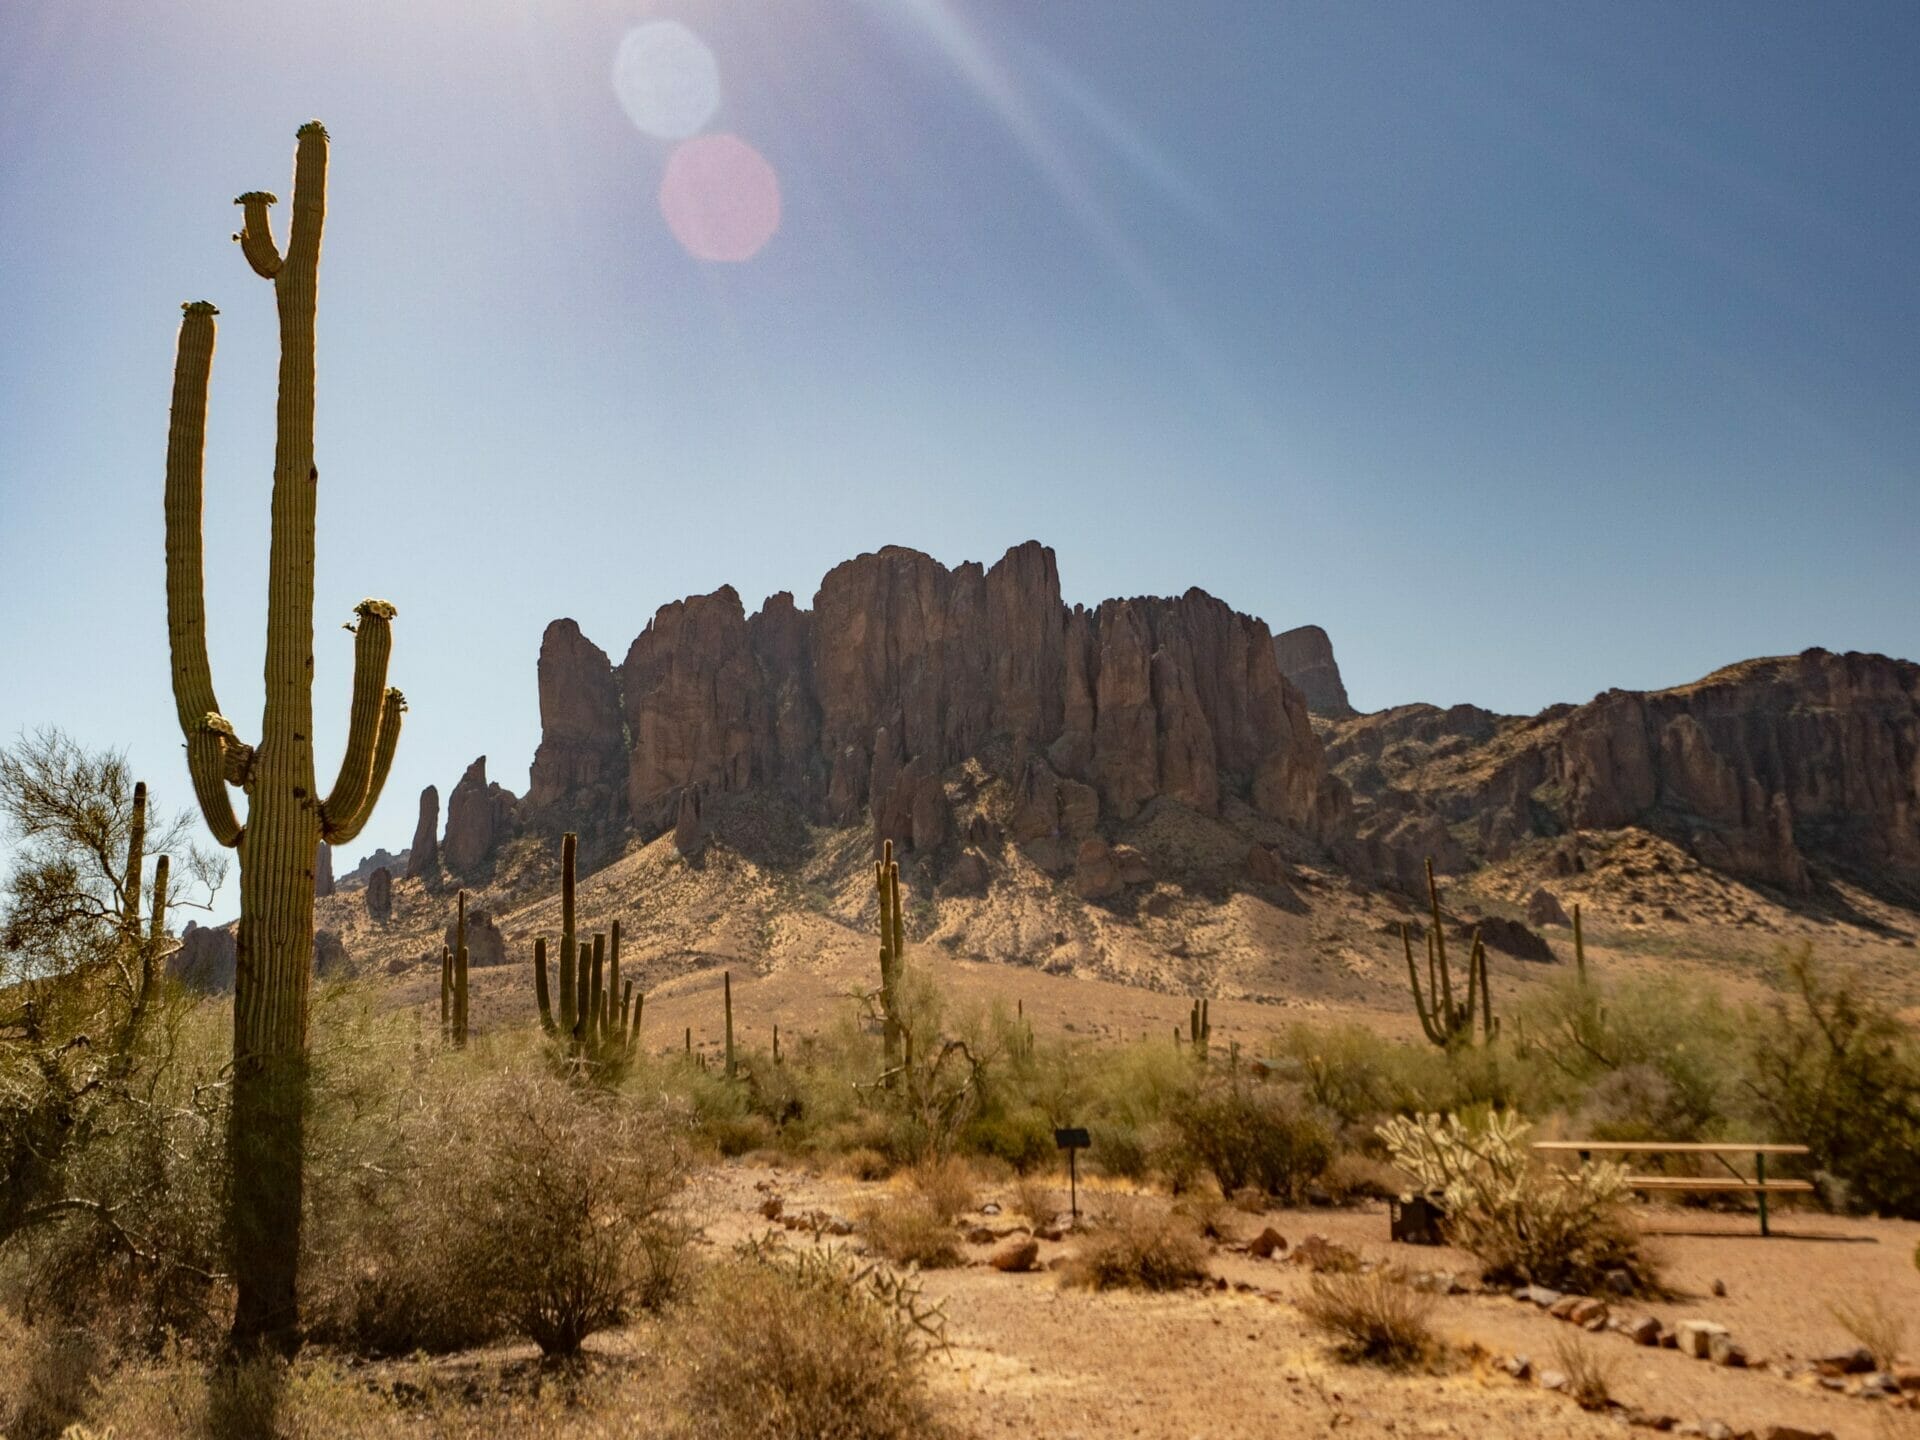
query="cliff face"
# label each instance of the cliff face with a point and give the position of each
(1758, 768)
(1306, 659)
(904, 667)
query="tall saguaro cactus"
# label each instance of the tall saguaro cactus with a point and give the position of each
(286, 814)
(893, 944)
(1446, 1022)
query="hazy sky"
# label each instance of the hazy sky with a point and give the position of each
(1530, 349)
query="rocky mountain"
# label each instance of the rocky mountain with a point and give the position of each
(1765, 770)
(903, 668)
(907, 684)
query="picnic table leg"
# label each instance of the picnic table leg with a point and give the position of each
(1760, 1174)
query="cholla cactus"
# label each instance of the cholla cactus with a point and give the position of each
(1525, 1220)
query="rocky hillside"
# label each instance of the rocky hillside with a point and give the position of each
(1775, 771)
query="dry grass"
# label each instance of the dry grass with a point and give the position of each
(1589, 1374)
(1875, 1323)
(908, 1230)
(1139, 1247)
(946, 1185)
(1374, 1318)
(1035, 1201)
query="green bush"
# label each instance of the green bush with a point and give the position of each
(1247, 1133)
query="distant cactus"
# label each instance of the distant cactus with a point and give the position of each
(1446, 1022)
(1579, 947)
(893, 932)
(1199, 1029)
(726, 985)
(453, 982)
(599, 1019)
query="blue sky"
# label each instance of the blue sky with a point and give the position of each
(1528, 349)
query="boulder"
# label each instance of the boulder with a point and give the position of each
(1131, 865)
(1509, 937)
(1015, 1255)
(1695, 1337)
(1096, 875)
(968, 875)
(1544, 908)
(330, 958)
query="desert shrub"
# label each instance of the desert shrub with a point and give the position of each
(516, 1203)
(1120, 1150)
(909, 1230)
(1352, 1177)
(1525, 1222)
(1589, 1373)
(946, 1185)
(809, 1344)
(1139, 1247)
(1021, 1136)
(47, 1376)
(1252, 1134)
(571, 1181)
(1035, 1201)
(1838, 1073)
(1374, 1318)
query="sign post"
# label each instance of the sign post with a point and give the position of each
(1073, 1142)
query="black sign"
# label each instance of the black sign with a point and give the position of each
(1071, 1139)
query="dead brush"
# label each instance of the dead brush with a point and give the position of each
(1034, 1201)
(909, 1230)
(1139, 1247)
(946, 1185)
(1880, 1329)
(1374, 1319)
(1589, 1374)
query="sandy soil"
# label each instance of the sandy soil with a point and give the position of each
(1033, 1357)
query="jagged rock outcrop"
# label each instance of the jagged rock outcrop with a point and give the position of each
(1544, 908)
(205, 959)
(380, 895)
(1305, 656)
(582, 759)
(423, 856)
(689, 826)
(486, 945)
(381, 859)
(322, 870)
(904, 668)
(479, 817)
(1756, 769)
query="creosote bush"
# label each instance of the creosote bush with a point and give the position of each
(808, 1344)
(1139, 1247)
(1252, 1134)
(909, 1230)
(1374, 1318)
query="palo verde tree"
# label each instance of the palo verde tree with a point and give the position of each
(286, 814)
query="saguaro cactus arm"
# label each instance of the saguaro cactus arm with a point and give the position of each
(256, 233)
(193, 694)
(351, 800)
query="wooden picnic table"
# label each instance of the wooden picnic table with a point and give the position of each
(1758, 1186)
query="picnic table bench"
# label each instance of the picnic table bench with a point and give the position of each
(1757, 1185)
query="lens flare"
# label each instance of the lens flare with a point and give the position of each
(667, 79)
(721, 198)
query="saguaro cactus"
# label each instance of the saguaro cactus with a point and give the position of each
(1446, 1023)
(453, 981)
(893, 944)
(599, 1021)
(287, 816)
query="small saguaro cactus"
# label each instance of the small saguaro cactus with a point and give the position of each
(287, 812)
(1446, 1023)
(893, 932)
(453, 981)
(1199, 1029)
(726, 986)
(136, 859)
(1579, 947)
